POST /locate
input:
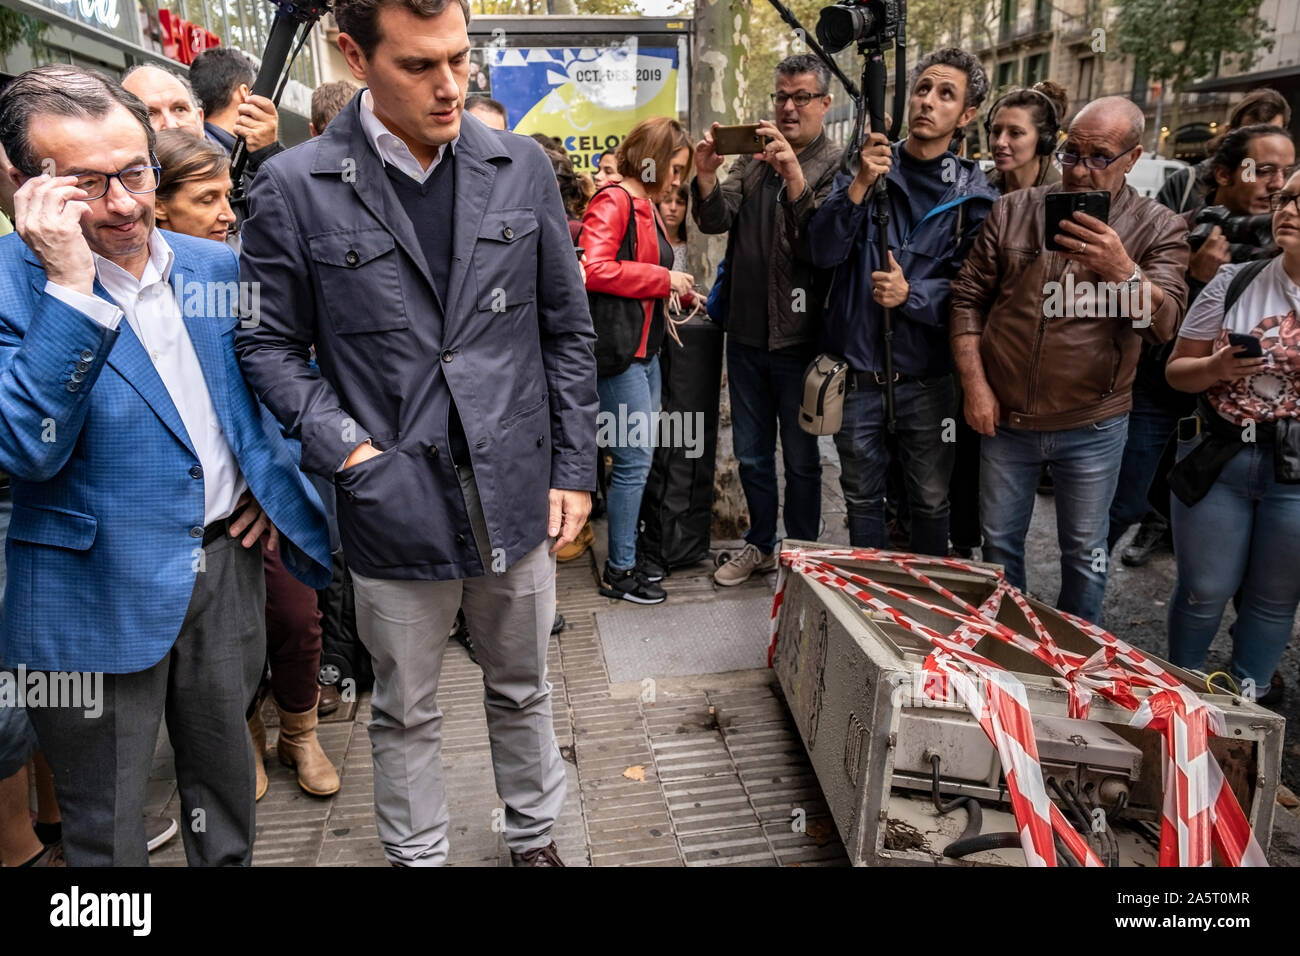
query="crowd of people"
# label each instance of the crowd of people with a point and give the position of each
(384, 433)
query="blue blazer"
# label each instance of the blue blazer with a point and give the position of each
(102, 553)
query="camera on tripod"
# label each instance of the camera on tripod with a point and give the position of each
(1247, 235)
(866, 22)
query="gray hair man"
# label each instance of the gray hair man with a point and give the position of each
(764, 204)
(169, 98)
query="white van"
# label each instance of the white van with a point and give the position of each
(1150, 172)
(1147, 175)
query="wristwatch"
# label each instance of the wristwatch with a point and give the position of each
(1135, 280)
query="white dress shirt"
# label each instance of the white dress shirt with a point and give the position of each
(150, 306)
(390, 147)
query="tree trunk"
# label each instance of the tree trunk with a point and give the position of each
(562, 7)
(717, 94)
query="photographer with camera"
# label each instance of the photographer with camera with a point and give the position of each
(772, 325)
(937, 202)
(1047, 343)
(1235, 507)
(1186, 189)
(1235, 226)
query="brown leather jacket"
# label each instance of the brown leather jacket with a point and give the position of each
(1050, 367)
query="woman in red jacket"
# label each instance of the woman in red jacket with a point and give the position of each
(652, 161)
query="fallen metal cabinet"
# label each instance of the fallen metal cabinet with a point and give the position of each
(852, 677)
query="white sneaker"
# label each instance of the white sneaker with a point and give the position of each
(738, 569)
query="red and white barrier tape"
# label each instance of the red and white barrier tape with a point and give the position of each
(1200, 810)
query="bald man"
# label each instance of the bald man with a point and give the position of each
(1047, 344)
(490, 111)
(169, 98)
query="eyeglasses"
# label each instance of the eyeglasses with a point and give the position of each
(801, 99)
(1268, 171)
(1277, 202)
(134, 179)
(1091, 162)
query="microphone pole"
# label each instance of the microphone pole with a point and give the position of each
(289, 15)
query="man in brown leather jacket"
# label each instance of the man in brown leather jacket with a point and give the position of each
(1046, 344)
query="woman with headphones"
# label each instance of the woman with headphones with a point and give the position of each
(1022, 128)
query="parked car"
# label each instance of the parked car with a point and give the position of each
(1150, 172)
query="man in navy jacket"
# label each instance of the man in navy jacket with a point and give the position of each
(144, 472)
(937, 203)
(428, 260)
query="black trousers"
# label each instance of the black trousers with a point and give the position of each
(101, 761)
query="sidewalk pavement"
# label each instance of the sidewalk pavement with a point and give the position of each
(710, 772)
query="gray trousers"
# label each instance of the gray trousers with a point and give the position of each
(203, 685)
(404, 625)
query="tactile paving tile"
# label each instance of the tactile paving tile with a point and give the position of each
(674, 640)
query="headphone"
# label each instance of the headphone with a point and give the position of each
(1046, 136)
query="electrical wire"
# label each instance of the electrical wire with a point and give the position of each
(1209, 683)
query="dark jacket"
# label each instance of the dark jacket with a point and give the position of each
(340, 266)
(1055, 370)
(1187, 189)
(843, 235)
(788, 269)
(255, 159)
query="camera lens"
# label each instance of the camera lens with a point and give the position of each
(838, 26)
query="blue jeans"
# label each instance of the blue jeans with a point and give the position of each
(1241, 534)
(624, 399)
(1150, 424)
(765, 389)
(925, 413)
(1085, 468)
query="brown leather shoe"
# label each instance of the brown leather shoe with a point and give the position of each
(548, 855)
(257, 731)
(584, 539)
(330, 699)
(299, 748)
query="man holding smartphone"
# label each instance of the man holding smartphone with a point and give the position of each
(1051, 381)
(772, 326)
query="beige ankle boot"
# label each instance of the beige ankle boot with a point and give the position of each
(298, 747)
(257, 731)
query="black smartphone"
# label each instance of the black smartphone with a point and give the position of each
(1058, 206)
(1250, 346)
(730, 140)
(579, 252)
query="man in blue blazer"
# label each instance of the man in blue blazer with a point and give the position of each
(428, 260)
(144, 473)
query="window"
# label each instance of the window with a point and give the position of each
(1006, 74)
(1036, 68)
(1043, 14)
(1007, 20)
(1084, 93)
(1139, 92)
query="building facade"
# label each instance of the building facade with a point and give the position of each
(114, 35)
(1074, 43)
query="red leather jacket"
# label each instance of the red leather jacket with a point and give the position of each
(603, 226)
